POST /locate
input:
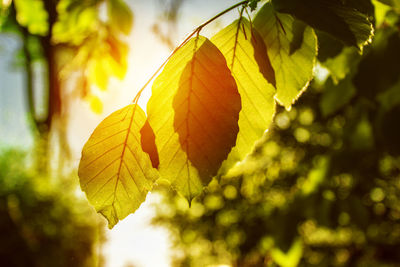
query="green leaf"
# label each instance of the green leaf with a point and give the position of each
(341, 65)
(75, 24)
(194, 111)
(115, 172)
(379, 68)
(339, 88)
(242, 46)
(392, 3)
(336, 96)
(32, 14)
(391, 97)
(328, 47)
(293, 68)
(292, 257)
(380, 12)
(4, 13)
(121, 17)
(347, 21)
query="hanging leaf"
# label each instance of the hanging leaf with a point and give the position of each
(293, 67)
(115, 172)
(242, 46)
(117, 53)
(121, 17)
(347, 21)
(194, 111)
(96, 105)
(98, 73)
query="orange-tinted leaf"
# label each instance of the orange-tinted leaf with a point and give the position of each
(207, 106)
(118, 49)
(188, 135)
(115, 172)
(149, 143)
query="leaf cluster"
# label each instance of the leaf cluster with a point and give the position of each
(321, 189)
(95, 46)
(214, 99)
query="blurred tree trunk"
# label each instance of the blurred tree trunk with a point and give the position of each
(44, 125)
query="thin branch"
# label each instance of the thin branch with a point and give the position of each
(237, 36)
(29, 76)
(196, 31)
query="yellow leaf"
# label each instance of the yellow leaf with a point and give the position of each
(117, 69)
(117, 56)
(95, 104)
(32, 14)
(121, 17)
(98, 73)
(115, 172)
(194, 110)
(242, 46)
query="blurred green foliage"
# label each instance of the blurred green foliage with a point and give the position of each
(43, 222)
(323, 186)
(85, 40)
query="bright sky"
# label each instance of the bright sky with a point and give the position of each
(133, 239)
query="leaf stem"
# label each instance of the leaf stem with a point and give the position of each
(237, 36)
(196, 31)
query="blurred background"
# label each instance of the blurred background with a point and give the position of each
(322, 188)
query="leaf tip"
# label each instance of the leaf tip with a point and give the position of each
(110, 215)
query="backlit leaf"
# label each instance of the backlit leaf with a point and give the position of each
(121, 17)
(347, 21)
(293, 68)
(115, 172)
(98, 73)
(339, 89)
(117, 56)
(194, 111)
(96, 105)
(392, 3)
(149, 143)
(242, 46)
(335, 96)
(74, 25)
(32, 14)
(343, 63)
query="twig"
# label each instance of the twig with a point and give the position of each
(196, 31)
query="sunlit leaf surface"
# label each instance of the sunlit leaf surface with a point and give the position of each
(194, 111)
(242, 46)
(115, 172)
(291, 57)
